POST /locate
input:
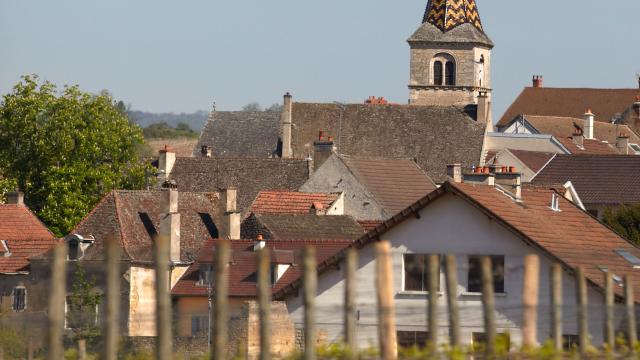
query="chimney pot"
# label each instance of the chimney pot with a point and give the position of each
(15, 197)
(206, 151)
(537, 81)
(589, 118)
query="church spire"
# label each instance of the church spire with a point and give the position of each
(447, 14)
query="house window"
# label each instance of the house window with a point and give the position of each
(474, 283)
(570, 342)
(437, 73)
(450, 73)
(416, 272)
(409, 339)
(19, 298)
(199, 324)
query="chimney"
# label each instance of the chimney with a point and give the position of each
(578, 138)
(537, 81)
(322, 150)
(206, 151)
(481, 175)
(287, 127)
(170, 220)
(636, 107)
(589, 118)
(484, 108)
(231, 213)
(259, 244)
(622, 144)
(165, 163)
(318, 209)
(15, 197)
(511, 182)
(454, 172)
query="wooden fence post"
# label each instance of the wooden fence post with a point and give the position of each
(350, 339)
(164, 347)
(112, 316)
(57, 296)
(220, 303)
(488, 306)
(556, 306)
(386, 311)
(451, 274)
(433, 264)
(30, 350)
(530, 300)
(82, 349)
(609, 301)
(264, 303)
(583, 327)
(1, 354)
(629, 297)
(309, 298)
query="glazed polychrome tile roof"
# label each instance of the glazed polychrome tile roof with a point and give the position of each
(447, 14)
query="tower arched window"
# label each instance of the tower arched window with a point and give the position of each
(450, 74)
(438, 73)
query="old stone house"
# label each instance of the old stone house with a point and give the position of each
(22, 236)
(488, 214)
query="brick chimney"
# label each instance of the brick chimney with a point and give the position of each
(15, 197)
(229, 200)
(287, 126)
(206, 151)
(322, 150)
(589, 119)
(170, 220)
(537, 81)
(165, 163)
(622, 144)
(454, 172)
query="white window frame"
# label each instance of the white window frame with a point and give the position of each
(440, 274)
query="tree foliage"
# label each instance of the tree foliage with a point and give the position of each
(165, 131)
(82, 304)
(625, 220)
(65, 149)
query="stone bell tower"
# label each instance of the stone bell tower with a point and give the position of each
(450, 55)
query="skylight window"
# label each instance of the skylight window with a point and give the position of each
(631, 259)
(616, 278)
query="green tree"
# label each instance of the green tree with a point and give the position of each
(82, 305)
(625, 220)
(65, 149)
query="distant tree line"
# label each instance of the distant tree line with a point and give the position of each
(625, 220)
(165, 131)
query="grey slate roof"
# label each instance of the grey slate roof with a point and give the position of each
(249, 175)
(241, 133)
(434, 135)
(465, 33)
(301, 227)
(598, 179)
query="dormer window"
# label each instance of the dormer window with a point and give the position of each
(74, 249)
(4, 249)
(78, 245)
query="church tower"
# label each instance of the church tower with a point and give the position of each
(450, 55)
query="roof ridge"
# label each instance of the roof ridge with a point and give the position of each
(125, 244)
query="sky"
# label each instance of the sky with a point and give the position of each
(182, 56)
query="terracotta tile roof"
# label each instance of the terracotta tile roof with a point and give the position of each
(570, 102)
(20, 253)
(249, 175)
(290, 202)
(571, 236)
(394, 183)
(242, 270)
(434, 135)
(133, 217)
(589, 147)
(598, 179)
(25, 236)
(17, 222)
(533, 159)
(301, 227)
(563, 128)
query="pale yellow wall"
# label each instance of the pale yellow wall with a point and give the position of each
(142, 302)
(186, 307)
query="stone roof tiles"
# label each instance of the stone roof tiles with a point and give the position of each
(249, 175)
(434, 135)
